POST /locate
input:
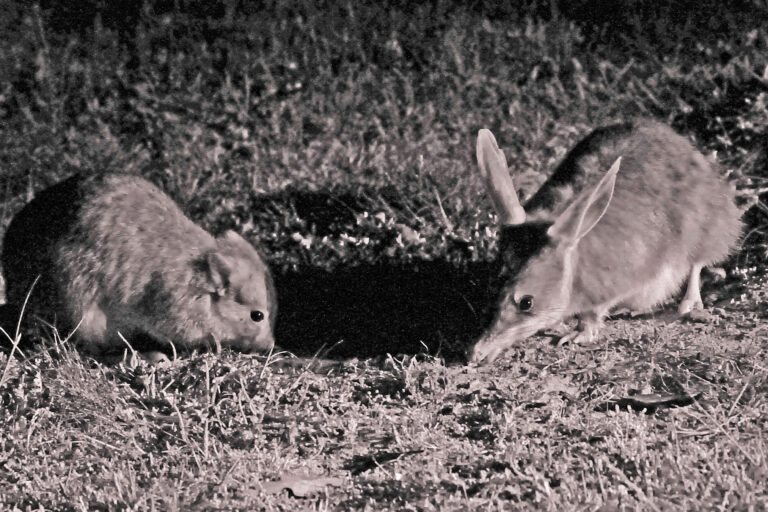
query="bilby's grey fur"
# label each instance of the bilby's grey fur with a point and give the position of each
(116, 255)
(626, 237)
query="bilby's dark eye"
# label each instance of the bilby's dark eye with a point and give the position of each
(257, 316)
(526, 303)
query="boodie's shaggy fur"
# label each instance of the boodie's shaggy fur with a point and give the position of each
(114, 254)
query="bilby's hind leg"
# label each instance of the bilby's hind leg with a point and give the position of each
(692, 299)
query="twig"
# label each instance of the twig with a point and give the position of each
(736, 401)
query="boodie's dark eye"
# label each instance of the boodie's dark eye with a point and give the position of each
(526, 303)
(257, 316)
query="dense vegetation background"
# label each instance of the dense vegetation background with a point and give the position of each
(237, 108)
(340, 137)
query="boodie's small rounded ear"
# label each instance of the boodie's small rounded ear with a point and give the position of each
(498, 182)
(585, 212)
(218, 269)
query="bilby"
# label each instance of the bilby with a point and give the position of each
(632, 212)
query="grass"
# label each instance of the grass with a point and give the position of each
(340, 137)
(541, 429)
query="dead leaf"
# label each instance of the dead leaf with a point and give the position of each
(301, 486)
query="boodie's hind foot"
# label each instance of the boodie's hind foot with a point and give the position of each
(692, 299)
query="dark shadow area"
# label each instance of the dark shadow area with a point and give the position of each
(385, 296)
(363, 310)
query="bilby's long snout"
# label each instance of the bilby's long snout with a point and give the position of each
(484, 351)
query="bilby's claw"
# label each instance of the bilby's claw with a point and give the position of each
(578, 337)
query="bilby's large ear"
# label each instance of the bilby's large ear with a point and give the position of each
(498, 182)
(585, 212)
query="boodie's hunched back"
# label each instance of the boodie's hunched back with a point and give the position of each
(114, 256)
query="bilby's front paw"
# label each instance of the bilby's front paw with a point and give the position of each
(586, 331)
(578, 337)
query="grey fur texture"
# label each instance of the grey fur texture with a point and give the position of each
(627, 237)
(114, 254)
